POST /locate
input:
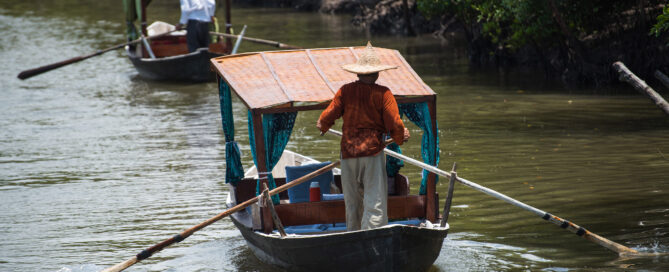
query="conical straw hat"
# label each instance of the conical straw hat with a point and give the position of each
(368, 63)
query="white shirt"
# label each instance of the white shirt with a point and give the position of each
(200, 10)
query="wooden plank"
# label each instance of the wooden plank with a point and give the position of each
(246, 189)
(261, 166)
(414, 99)
(328, 212)
(291, 108)
(432, 199)
(270, 206)
(161, 50)
(174, 45)
(320, 106)
(143, 22)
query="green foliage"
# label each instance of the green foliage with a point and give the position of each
(662, 23)
(512, 24)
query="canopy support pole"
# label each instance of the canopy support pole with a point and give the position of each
(259, 136)
(432, 209)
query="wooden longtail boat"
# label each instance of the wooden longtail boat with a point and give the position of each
(167, 57)
(190, 67)
(275, 86)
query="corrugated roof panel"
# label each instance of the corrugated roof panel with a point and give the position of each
(313, 75)
(251, 79)
(299, 76)
(330, 61)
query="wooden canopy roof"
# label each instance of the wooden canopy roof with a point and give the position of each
(281, 78)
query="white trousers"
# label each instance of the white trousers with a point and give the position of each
(365, 189)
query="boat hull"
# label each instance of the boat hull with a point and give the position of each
(191, 67)
(390, 248)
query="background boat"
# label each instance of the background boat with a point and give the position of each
(167, 57)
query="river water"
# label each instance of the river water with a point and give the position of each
(97, 164)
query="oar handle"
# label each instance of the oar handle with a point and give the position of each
(186, 233)
(36, 71)
(580, 231)
(256, 40)
(42, 69)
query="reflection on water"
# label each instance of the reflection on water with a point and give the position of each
(97, 164)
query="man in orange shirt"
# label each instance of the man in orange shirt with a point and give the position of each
(369, 111)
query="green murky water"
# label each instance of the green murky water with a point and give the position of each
(97, 164)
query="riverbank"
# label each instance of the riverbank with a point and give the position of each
(581, 60)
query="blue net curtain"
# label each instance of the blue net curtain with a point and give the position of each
(234, 172)
(393, 164)
(277, 128)
(419, 114)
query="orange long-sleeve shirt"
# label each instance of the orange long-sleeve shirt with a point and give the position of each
(368, 111)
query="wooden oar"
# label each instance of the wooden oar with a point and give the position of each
(183, 235)
(256, 40)
(42, 69)
(580, 231)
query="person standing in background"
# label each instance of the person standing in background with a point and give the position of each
(196, 15)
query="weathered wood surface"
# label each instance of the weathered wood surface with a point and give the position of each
(627, 76)
(275, 217)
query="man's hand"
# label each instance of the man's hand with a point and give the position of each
(179, 26)
(406, 135)
(319, 126)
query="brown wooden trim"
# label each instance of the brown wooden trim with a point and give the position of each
(143, 22)
(246, 189)
(329, 212)
(414, 99)
(228, 24)
(161, 50)
(261, 166)
(323, 105)
(270, 205)
(432, 205)
(318, 106)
